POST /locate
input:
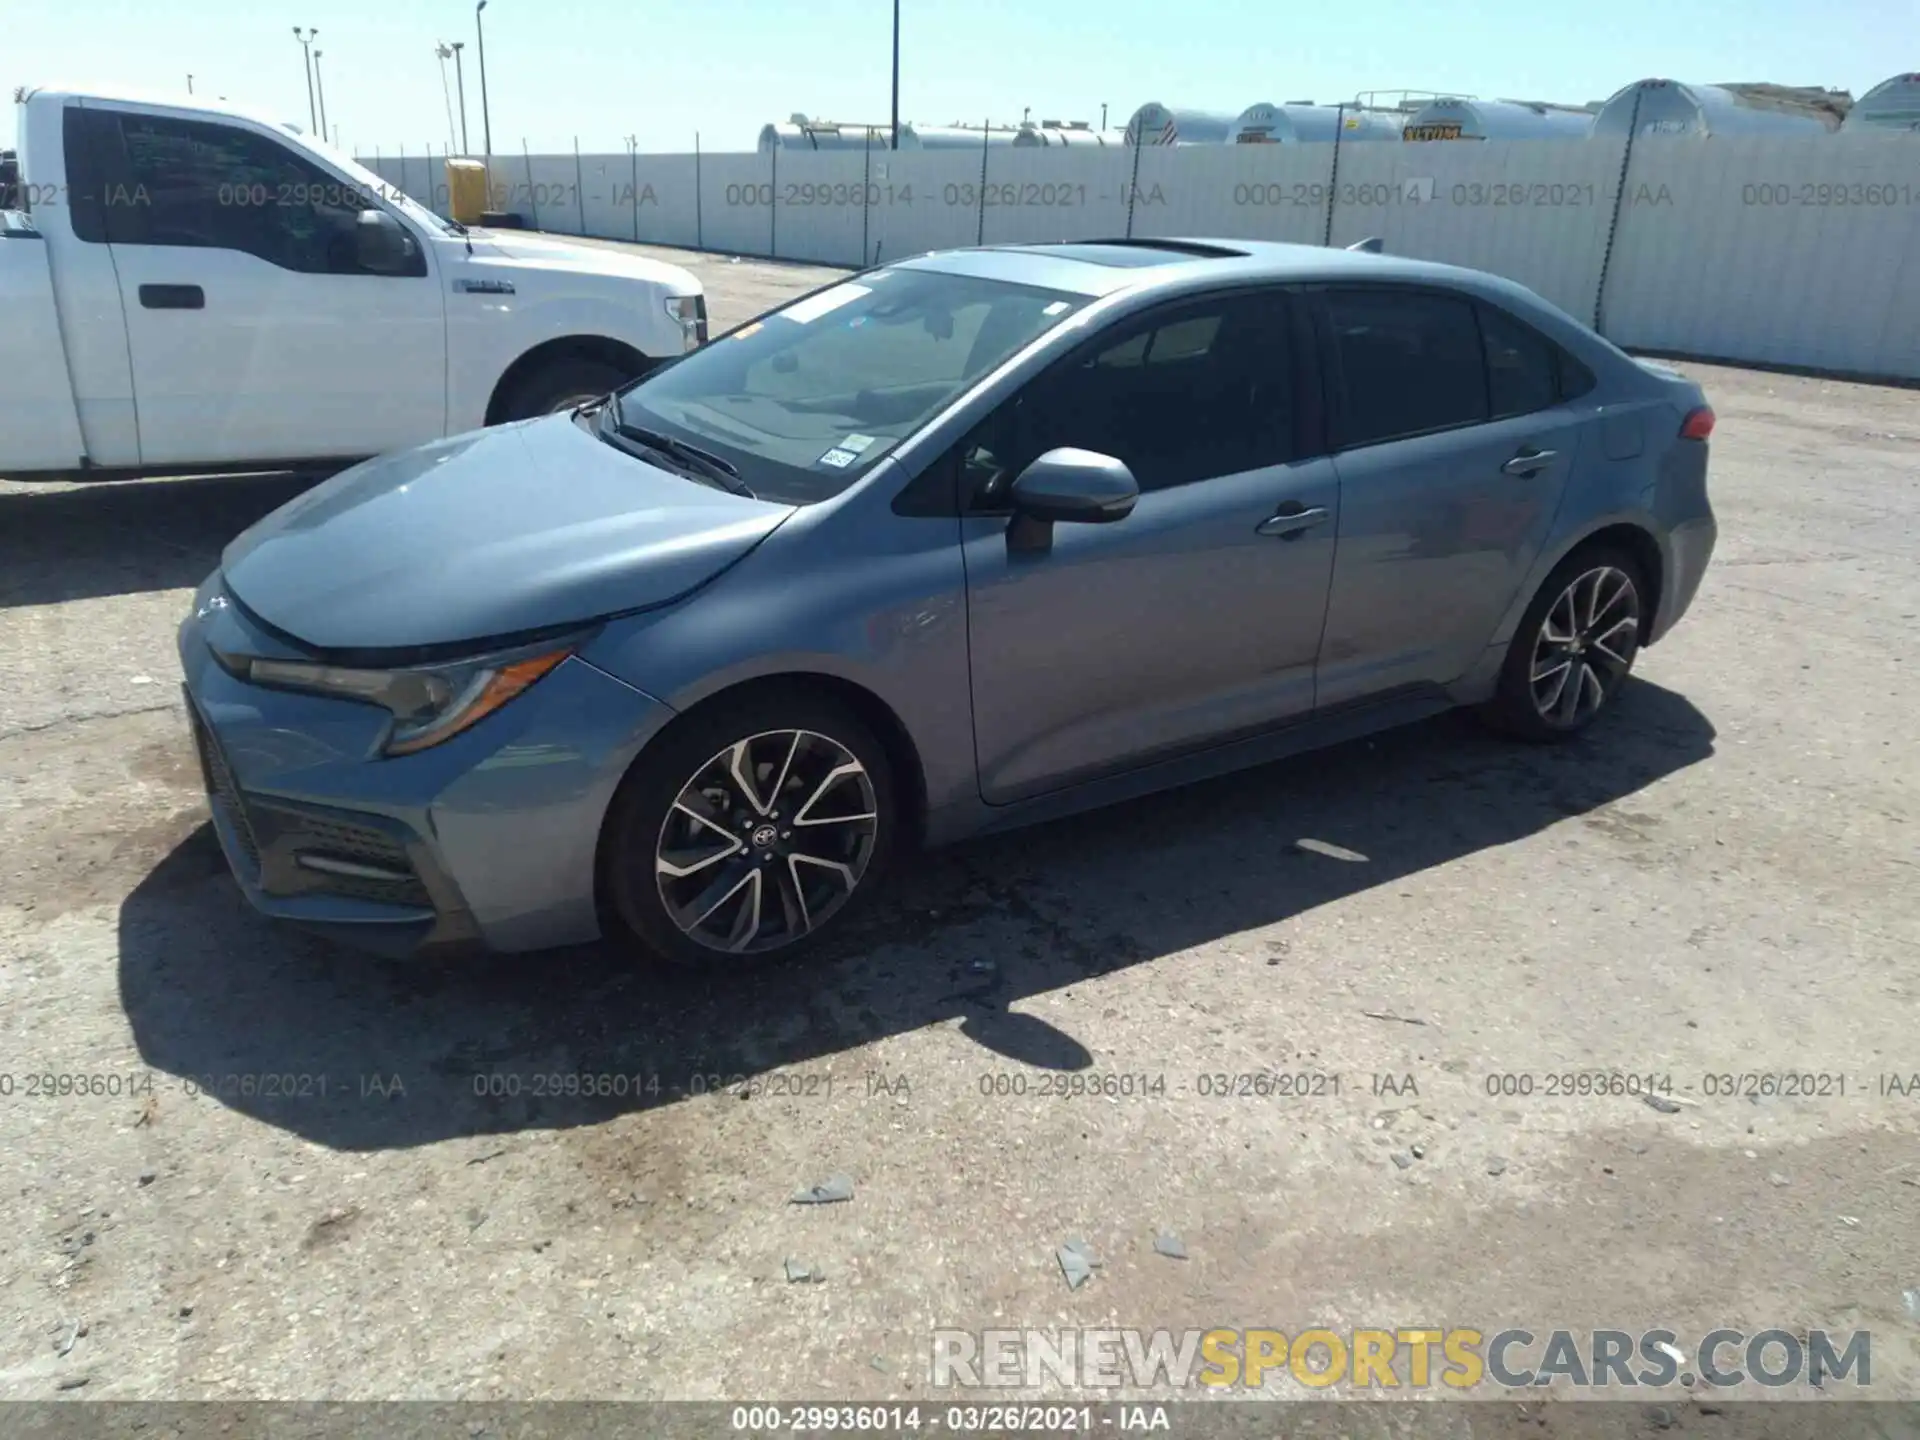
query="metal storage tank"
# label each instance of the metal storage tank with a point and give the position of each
(1457, 118)
(1891, 105)
(1668, 107)
(1301, 122)
(802, 133)
(1155, 124)
(962, 137)
(1066, 132)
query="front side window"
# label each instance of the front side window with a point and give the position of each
(808, 398)
(196, 184)
(1202, 392)
(1409, 362)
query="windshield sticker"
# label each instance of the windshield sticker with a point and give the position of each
(824, 303)
(1055, 308)
(839, 459)
(856, 443)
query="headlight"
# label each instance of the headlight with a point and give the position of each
(690, 313)
(429, 704)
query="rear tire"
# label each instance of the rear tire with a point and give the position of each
(1574, 647)
(561, 386)
(748, 831)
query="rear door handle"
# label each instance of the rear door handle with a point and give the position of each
(1530, 461)
(1293, 520)
(173, 297)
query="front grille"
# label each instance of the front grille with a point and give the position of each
(223, 791)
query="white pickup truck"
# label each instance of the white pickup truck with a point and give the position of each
(191, 287)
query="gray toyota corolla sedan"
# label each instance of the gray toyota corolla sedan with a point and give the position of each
(959, 543)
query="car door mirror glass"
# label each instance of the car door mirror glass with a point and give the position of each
(1075, 486)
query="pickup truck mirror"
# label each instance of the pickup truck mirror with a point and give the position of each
(382, 244)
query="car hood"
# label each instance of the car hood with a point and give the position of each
(489, 534)
(494, 249)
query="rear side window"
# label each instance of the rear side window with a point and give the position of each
(1522, 365)
(1409, 362)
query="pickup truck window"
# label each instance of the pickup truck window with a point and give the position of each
(151, 180)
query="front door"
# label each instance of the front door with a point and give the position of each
(1194, 620)
(253, 330)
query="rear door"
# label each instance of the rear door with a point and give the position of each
(1453, 448)
(1197, 618)
(254, 332)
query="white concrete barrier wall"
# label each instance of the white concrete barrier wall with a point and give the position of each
(1790, 251)
(1787, 251)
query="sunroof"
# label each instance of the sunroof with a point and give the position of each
(1135, 253)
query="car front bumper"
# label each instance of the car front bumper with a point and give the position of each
(489, 840)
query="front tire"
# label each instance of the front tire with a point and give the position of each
(1574, 647)
(561, 386)
(749, 830)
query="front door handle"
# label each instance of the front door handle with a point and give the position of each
(173, 297)
(1529, 461)
(1293, 520)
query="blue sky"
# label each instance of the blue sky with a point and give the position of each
(662, 69)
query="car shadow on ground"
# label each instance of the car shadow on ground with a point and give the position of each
(102, 538)
(310, 1038)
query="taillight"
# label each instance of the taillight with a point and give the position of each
(1699, 423)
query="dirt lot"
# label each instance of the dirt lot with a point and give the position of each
(1722, 878)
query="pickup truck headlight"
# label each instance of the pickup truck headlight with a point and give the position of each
(690, 313)
(430, 704)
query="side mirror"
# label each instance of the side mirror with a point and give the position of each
(382, 245)
(1078, 486)
(1075, 486)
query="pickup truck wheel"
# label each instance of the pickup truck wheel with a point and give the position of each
(559, 387)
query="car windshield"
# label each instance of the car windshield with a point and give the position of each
(805, 400)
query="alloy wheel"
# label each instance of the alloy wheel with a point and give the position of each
(1585, 646)
(767, 841)
(567, 403)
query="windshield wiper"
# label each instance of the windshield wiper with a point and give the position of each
(704, 463)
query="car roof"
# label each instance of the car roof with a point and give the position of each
(1101, 267)
(158, 98)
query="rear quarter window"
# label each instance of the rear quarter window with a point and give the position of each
(1522, 365)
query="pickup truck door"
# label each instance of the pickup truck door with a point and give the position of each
(255, 333)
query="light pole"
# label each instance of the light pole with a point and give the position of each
(320, 89)
(460, 82)
(486, 119)
(306, 46)
(189, 84)
(445, 52)
(895, 144)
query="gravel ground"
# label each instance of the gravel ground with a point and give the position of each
(1721, 878)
